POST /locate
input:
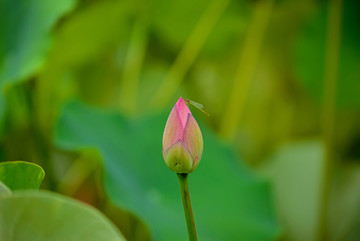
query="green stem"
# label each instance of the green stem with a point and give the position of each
(189, 216)
(132, 68)
(333, 38)
(245, 72)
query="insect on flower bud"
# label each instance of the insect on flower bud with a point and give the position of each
(182, 140)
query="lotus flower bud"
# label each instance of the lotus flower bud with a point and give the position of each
(182, 140)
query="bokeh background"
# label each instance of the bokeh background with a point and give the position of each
(86, 87)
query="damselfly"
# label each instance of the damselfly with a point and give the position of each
(197, 105)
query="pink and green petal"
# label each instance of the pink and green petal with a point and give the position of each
(193, 139)
(178, 158)
(173, 130)
(183, 111)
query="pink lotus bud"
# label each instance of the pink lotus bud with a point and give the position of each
(182, 140)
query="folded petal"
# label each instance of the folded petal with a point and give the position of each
(173, 130)
(183, 111)
(178, 158)
(193, 140)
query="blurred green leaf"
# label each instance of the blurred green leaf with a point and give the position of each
(19, 175)
(311, 56)
(86, 49)
(50, 217)
(25, 37)
(297, 176)
(228, 201)
(89, 32)
(4, 190)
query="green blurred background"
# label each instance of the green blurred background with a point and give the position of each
(86, 87)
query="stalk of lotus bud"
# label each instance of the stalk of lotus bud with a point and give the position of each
(185, 196)
(182, 151)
